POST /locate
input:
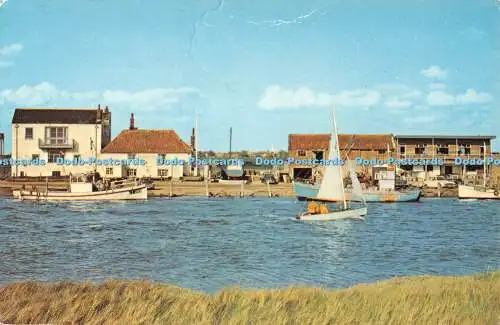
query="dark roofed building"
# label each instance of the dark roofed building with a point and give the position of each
(49, 134)
(55, 115)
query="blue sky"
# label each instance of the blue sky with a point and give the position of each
(266, 68)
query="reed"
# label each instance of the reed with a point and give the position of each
(410, 300)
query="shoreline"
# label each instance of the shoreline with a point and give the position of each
(471, 299)
(187, 188)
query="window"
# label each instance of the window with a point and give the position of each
(34, 157)
(22, 174)
(76, 157)
(163, 172)
(109, 170)
(54, 154)
(419, 151)
(402, 149)
(56, 173)
(131, 156)
(131, 172)
(464, 149)
(301, 153)
(161, 156)
(442, 150)
(28, 133)
(56, 135)
(382, 151)
(318, 155)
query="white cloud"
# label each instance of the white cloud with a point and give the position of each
(437, 86)
(2, 3)
(357, 98)
(440, 98)
(276, 97)
(424, 119)
(434, 72)
(473, 97)
(11, 49)
(397, 103)
(47, 94)
(7, 52)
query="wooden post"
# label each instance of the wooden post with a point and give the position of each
(269, 189)
(46, 186)
(170, 192)
(206, 186)
(241, 190)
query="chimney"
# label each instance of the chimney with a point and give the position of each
(193, 140)
(132, 122)
(106, 109)
(99, 114)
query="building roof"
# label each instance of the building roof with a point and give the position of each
(54, 115)
(147, 141)
(437, 136)
(346, 141)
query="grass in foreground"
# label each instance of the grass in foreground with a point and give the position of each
(412, 300)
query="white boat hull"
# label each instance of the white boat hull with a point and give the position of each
(471, 192)
(138, 192)
(233, 181)
(337, 215)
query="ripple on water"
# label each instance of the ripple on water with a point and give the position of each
(255, 242)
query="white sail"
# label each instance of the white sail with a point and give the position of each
(357, 190)
(332, 188)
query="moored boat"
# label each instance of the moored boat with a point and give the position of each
(82, 189)
(306, 191)
(478, 192)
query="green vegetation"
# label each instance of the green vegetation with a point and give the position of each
(413, 300)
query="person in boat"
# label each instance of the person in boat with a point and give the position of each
(314, 208)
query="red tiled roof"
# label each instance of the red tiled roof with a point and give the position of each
(346, 141)
(147, 141)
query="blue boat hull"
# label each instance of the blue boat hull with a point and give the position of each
(309, 192)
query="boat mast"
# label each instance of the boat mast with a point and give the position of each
(338, 155)
(196, 145)
(484, 165)
(230, 140)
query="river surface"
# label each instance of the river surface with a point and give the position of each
(207, 244)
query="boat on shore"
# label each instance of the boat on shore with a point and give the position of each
(307, 192)
(84, 188)
(331, 190)
(477, 192)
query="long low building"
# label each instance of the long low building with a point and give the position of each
(446, 148)
(383, 146)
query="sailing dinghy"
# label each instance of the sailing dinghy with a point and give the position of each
(332, 190)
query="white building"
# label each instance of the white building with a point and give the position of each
(44, 135)
(149, 146)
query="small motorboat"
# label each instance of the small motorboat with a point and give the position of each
(84, 187)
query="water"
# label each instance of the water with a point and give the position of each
(209, 244)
